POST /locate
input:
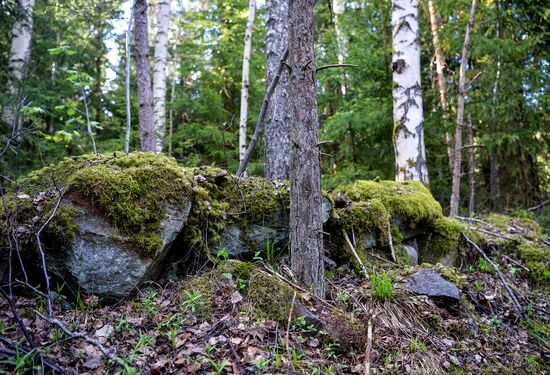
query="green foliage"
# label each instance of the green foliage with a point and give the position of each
(382, 286)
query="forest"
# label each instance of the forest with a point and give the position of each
(274, 186)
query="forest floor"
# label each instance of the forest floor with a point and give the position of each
(170, 329)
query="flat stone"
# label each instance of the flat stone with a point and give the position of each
(430, 283)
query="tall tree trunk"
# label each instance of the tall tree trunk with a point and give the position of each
(245, 78)
(408, 116)
(306, 242)
(471, 166)
(440, 68)
(19, 58)
(277, 128)
(143, 73)
(494, 184)
(339, 8)
(159, 71)
(455, 192)
(128, 94)
(175, 64)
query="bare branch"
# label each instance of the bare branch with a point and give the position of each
(330, 66)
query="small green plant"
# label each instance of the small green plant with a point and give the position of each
(193, 303)
(495, 320)
(382, 286)
(261, 363)
(218, 367)
(223, 254)
(333, 350)
(270, 254)
(343, 296)
(484, 266)
(417, 345)
(300, 325)
(148, 303)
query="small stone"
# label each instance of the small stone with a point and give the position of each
(454, 360)
(430, 283)
(448, 342)
(477, 358)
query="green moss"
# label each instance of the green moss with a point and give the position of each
(446, 236)
(410, 199)
(448, 273)
(537, 259)
(269, 297)
(62, 225)
(369, 214)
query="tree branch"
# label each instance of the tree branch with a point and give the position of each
(330, 66)
(261, 117)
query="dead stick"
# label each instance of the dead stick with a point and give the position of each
(261, 117)
(369, 347)
(517, 263)
(391, 242)
(287, 340)
(495, 234)
(517, 305)
(82, 336)
(382, 259)
(354, 252)
(329, 66)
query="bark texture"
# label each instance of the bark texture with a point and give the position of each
(494, 182)
(18, 61)
(306, 243)
(159, 71)
(128, 94)
(455, 192)
(277, 146)
(245, 78)
(408, 116)
(143, 73)
(471, 167)
(442, 84)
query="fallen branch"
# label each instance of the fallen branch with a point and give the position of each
(368, 348)
(287, 340)
(352, 249)
(330, 66)
(517, 263)
(383, 259)
(541, 205)
(261, 116)
(496, 234)
(391, 242)
(515, 301)
(88, 339)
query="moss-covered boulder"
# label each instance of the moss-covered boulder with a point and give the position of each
(116, 220)
(381, 214)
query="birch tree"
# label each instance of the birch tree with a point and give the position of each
(143, 74)
(159, 72)
(339, 8)
(18, 61)
(442, 84)
(276, 146)
(245, 78)
(408, 116)
(306, 242)
(455, 187)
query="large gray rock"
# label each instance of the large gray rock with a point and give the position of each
(430, 283)
(102, 261)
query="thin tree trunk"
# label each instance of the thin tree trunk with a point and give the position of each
(159, 71)
(128, 94)
(471, 166)
(408, 116)
(175, 63)
(493, 162)
(455, 192)
(339, 8)
(143, 73)
(245, 78)
(88, 123)
(277, 146)
(440, 68)
(18, 61)
(306, 242)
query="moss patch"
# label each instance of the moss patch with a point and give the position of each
(410, 199)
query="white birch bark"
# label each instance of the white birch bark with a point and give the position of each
(408, 116)
(245, 79)
(277, 127)
(339, 8)
(455, 187)
(175, 65)
(19, 58)
(159, 72)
